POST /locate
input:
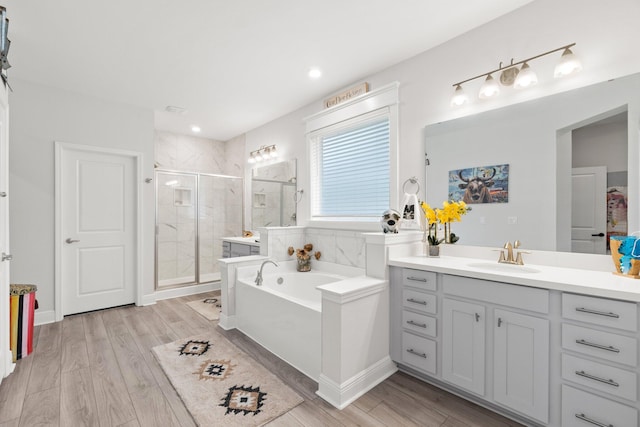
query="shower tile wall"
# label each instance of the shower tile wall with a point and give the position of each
(266, 203)
(189, 154)
(220, 216)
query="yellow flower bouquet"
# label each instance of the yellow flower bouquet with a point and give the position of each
(451, 211)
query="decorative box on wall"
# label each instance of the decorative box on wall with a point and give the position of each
(233, 247)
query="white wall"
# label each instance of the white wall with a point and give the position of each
(605, 33)
(601, 145)
(41, 115)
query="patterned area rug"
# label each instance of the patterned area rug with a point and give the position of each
(221, 385)
(207, 307)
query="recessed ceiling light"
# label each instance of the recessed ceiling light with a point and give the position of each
(315, 73)
(195, 129)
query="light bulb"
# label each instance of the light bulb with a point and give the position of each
(489, 88)
(526, 77)
(459, 97)
(252, 158)
(568, 64)
(274, 152)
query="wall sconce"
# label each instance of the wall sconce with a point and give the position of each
(265, 152)
(520, 78)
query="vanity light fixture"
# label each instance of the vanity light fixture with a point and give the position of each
(568, 64)
(519, 78)
(265, 152)
(526, 77)
(489, 88)
(459, 97)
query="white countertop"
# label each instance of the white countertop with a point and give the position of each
(596, 283)
(244, 240)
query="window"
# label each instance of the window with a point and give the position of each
(350, 169)
(353, 161)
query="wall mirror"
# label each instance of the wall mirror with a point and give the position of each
(273, 195)
(550, 145)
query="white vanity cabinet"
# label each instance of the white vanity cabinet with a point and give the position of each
(521, 363)
(600, 354)
(493, 342)
(463, 344)
(519, 356)
(555, 348)
(416, 324)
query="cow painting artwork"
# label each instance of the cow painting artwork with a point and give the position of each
(483, 184)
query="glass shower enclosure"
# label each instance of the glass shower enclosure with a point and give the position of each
(194, 211)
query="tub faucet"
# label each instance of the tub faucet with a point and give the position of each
(259, 276)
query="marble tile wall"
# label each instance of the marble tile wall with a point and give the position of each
(336, 246)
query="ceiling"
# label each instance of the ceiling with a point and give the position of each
(234, 65)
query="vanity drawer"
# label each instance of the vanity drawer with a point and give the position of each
(419, 352)
(598, 376)
(601, 311)
(419, 279)
(515, 296)
(605, 345)
(419, 323)
(419, 301)
(581, 409)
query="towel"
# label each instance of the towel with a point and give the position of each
(411, 212)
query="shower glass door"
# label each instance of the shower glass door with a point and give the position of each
(193, 213)
(176, 229)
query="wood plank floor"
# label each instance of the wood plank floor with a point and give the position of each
(97, 369)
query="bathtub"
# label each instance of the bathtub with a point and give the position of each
(284, 315)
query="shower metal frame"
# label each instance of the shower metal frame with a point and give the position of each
(197, 175)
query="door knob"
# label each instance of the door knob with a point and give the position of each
(70, 240)
(598, 235)
(6, 257)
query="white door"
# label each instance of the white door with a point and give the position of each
(97, 238)
(589, 210)
(463, 344)
(521, 363)
(6, 363)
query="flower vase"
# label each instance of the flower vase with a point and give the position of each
(434, 251)
(447, 232)
(304, 264)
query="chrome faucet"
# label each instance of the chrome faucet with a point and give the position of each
(259, 276)
(508, 258)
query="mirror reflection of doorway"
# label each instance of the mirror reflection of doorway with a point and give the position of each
(596, 217)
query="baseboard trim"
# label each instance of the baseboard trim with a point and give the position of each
(227, 322)
(41, 317)
(181, 292)
(341, 395)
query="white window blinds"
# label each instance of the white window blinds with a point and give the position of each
(350, 170)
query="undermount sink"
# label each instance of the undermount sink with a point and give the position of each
(503, 268)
